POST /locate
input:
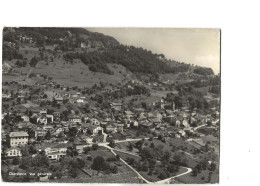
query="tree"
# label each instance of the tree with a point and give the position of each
(150, 172)
(34, 61)
(112, 143)
(130, 161)
(171, 168)
(139, 145)
(32, 149)
(58, 175)
(25, 163)
(212, 166)
(40, 160)
(80, 163)
(199, 168)
(195, 172)
(209, 177)
(162, 175)
(144, 105)
(86, 150)
(145, 167)
(24, 151)
(194, 124)
(94, 146)
(146, 153)
(72, 152)
(130, 147)
(16, 161)
(166, 156)
(48, 135)
(98, 163)
(114, 169)
(73, 172)
(73, 131)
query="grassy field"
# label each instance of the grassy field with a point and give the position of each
(161, 93)
(124, 156)
(67, 73)
(153, 177)
(105, 154)
(200, 178)
(126, 177)
(124, 146)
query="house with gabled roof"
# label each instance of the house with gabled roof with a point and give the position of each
(13, 152)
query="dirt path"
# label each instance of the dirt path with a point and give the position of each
(200, 126)
(168, 180)
(139, 175)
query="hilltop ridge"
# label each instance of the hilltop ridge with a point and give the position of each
(94, 49)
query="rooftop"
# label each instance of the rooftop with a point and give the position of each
(18, 134)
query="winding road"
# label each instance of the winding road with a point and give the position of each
(168, 180)
(165, 181)
(196, 128)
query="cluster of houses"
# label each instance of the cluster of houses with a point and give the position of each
(91, 129)
(50, 128)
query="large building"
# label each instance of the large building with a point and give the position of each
(17, 138)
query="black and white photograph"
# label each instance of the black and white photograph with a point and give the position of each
(126, 93)
(110, 105)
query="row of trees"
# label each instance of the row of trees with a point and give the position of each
(203, 71)
(10, 53)
(100, 164)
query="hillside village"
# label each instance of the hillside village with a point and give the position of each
(70, 117)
